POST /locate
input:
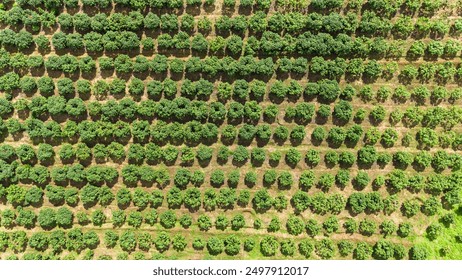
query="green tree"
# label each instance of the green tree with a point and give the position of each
(269, 246)
(325, 248)
(47, 218)
(168, 219)
(295, 225)
(362, 251)
(98, 217)
(383, 250)
(418, 252)
(135, 219)
(345, 247)
(215, 245)
(367, 227)
(127, 241)
(64, 217)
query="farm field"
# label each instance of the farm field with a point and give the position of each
(230, 129)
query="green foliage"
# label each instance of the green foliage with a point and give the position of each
(336, 136)
(150, 217)
(404, 229)
(377, 114)
(312, 157)
(169, 109)
(118, 218)
(383, 250)
(331, 158)
(168, 219)
(301, 201)
(18, 241)
(64, 217)
(250, 179)
(179, 242)
(135, 219)
(307, 179)
(204, 222)
(185, 221)
(249, 244)
(215, 245)
(325, 248)
(367, 155)
(433, 231)
(232, 245)
(221, 222)
(363, 251)
(274, 225)
(240, 154)
(98, 217)
(25, 218)
(198, 243)
(367, 227)
(350, 226)
(418, 252)
(431, 206)
(361, 180)
(268, 246)
(295, 225)
(331, 225)
(326, 181)
(8, 218)
(345, 247)
(33, 196)
(47, 218)
(127, 241)
(388, 227)
(293, 156)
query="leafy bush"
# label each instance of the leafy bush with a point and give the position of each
(215, 245)
(204, 222)
(326, 181)
(367, 227)
(345, 247)
(168, 219)
(383, 250)
(232, 245)
(418, 252)
(268, 246)
(325, 248)
(312, 157)
(363, 251)
(331, 225)
(295, 225)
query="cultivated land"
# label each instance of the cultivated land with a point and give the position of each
(230, 129)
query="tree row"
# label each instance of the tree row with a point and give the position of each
(395, 181)
(270, 43)
(77, 241)
(369, 23)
